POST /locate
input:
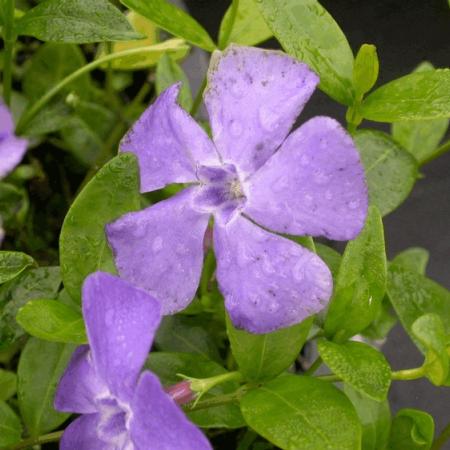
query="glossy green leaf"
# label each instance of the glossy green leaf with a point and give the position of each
(365, 71)
(308, 32)
(42, 282)
(249, 27)
(430, 332)
(358, 364)
(76, 21)
(8, 384)
(52, 320)
(390, 170)
(83, 245)
(41, 365)
(361, 282)
(10, 426)
(298, 412)
(264, 356)
(375, 418)
(174, 20)
(417, 96)
(13, 264)
(169, 72)
(168, 365)
(412, 429)
(420, 137)
(414, 259)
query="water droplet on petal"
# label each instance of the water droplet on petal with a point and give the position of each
(157, 244)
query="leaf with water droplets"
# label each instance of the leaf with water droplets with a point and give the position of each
(113, 192)
(13, 264)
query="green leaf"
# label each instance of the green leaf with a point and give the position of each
(13, 264)
(412, 429)
(390, 170)
(264, 356)
(331, 257)
(361, 282)
(54, 117)
(417, 96)
(83, 245)
(412, 295)
(365, 71)
(383, 322)
(42, 282)
(421, 138)
(14, 204)
(76, 21)
(299, 412)
(8, 384)
(360, 365)
(41, 365)
(414, 259)
(10, 426)
(51, 320)
(168, 365)
(308, 32)
(174, 20)
(375, 418)
(249, 27)
(169, 72)
(430, 332)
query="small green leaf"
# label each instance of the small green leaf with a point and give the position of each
(390, 170)
(83, 245)
(13, 264)
(412, 429)
(414, 259)
(76, 21)
(299, 412)
(52, 320)
(417, 96)
(264, 356)
(361, 282)
(249, 27)
(8, 384)
(41, 365)
(168, 365)
(174, 20)
(169, 72)
(10, 426)
(421, 137)
(308, 32)
(360, 365)
(365, 71)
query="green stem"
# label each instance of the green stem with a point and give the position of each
(314, 366)
(216, 401)
(225, 37)
(442, 439)
(9, 40)
(44, 439)
(203, 385)
(444, 148)
(36, 107)
(199, 97)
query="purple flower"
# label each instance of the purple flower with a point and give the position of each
(251, 178)
(121, 408)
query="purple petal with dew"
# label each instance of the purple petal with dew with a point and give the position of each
(253, 98)
(81, 434)
(161, 249)
(158, 423)
(121, 321)
(268, 281)
(12, 150)
(169, 143)
(313, 185)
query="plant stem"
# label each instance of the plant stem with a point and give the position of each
(199, 97)
(44, 439)
(217, 401)
(9, 40)
(225, 37)
(444, 148)
(442, 439)
(314, 366)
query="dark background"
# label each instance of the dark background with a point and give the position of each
(405, 32)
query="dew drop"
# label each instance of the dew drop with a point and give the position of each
(157, 244)
(267, 118)
(236, 129)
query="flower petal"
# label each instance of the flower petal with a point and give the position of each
(168, 143)
(12, 150)
(121, 321)
(6, 120)
(253, 98)
(79, 385)
(161, 249)
(313, 185)
(158, 423)
(268, 282)
(81, 434)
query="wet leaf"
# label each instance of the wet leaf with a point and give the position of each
(13, 264)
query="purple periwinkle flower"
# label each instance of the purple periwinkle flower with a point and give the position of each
(251, 177)
(121, 408)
